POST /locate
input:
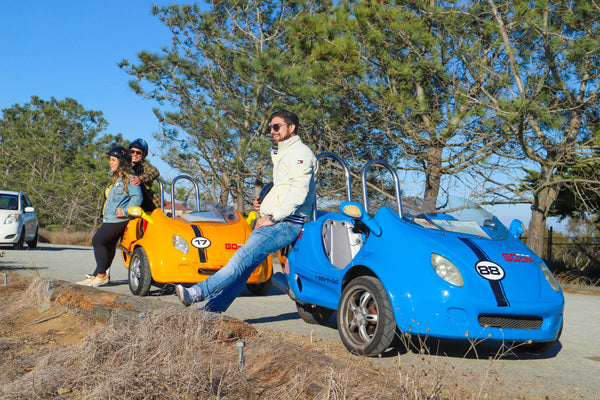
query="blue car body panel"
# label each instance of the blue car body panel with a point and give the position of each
(423, 302)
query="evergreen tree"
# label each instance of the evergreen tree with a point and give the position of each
(224, 74)
(50, 150)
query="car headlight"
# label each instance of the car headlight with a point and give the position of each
(180, 244)
(549, 277)
(446, 270)
(12, 219)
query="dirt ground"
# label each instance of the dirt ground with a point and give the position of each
(56, 344)
(70, 342)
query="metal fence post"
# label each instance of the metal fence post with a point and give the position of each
(549, 246)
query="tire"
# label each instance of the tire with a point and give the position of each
(365, 317)
(260, 289)
(33, 242)
(313, 314)
(139, 276)
(21, 241)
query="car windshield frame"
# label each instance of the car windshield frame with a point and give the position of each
(455, 214)
(212, 212)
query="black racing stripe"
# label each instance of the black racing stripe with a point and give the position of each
(496, 286)
(201, 252)
(498, 290)
(476, 249)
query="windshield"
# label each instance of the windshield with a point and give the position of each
(9, 202)
(212, 212)
(454, 214)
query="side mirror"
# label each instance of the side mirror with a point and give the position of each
(356, 211)
(139, 213)
(251, 218)
(516, 228)
(352, 210)
(29, 209)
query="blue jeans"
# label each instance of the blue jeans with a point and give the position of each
(225, 285)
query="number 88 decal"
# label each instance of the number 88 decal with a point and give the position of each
(489, 270)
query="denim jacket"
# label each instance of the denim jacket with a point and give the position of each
(116, 198)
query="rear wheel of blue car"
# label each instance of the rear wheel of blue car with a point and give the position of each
(365, 317)
(139, 276)
(313, 314)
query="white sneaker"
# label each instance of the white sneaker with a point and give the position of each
(87, 281)
(97, 281)
(107, 274)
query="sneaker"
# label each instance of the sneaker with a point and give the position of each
(97, 281)
(184, 295)
(87, 281)
(107, 274)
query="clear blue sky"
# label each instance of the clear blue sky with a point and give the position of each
(71, 48)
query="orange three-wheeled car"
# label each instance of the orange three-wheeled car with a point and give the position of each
(186, 247)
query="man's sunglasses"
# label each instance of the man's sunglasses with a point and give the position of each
(136, 152)
(275, 127)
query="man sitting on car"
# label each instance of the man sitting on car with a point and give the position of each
(282, 214)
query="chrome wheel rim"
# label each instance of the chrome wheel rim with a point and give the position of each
(134, 272)
(361, 316)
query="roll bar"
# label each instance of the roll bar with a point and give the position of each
(363, 179)
(189, 178)
(346, 171)
(162, 194)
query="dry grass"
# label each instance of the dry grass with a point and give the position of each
(66, 237)
(574, 277)
(176, 355)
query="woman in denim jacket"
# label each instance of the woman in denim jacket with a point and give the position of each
(120, 195)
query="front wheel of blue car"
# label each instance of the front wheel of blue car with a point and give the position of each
(365, 317)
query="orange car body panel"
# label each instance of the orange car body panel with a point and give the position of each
(169, 265)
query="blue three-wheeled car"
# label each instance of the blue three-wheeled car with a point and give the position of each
(445, 269)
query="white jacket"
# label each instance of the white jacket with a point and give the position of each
(293, 192)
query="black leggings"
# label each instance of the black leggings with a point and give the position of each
(105, 244)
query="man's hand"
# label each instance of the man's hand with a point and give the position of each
(136, 180)
(256, 204)
(263, 221)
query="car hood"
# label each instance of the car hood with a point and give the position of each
(507, 267)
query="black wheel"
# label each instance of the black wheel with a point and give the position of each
(21, 241)
(365, 318)
(139, 276)
(260, 289)
(33, 242)
(313, 314)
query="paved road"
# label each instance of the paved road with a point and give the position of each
(570, 370)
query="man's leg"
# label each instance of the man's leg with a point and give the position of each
(225, 285)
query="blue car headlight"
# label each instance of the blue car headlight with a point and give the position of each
(549, 277)
(446, 270)
(180, 244)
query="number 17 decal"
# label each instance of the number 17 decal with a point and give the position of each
(200, 242)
